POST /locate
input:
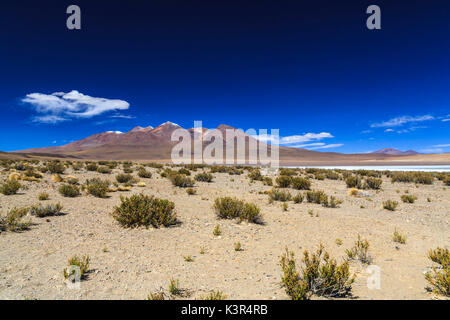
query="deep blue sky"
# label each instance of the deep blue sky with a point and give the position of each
(300, 66)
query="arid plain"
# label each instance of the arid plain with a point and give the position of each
(131, 263)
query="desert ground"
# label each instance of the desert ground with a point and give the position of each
(131, 263)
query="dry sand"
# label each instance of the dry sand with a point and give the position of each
(139, 261)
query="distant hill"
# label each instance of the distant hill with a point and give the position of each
(395, 152)
(148, 143)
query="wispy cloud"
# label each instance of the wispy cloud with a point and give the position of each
(307, 145)
(327, 146)
(445, 120)
(295, 138)
(52, 119)
(399, 121)
(389, 130)
(432, 150)
(60, 106)
(123, 116)
(441, 146)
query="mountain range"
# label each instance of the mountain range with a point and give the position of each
(149, 143)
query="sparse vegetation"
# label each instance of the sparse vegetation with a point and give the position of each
(104, 170)
(279, 195)
(406, 198)
(142, 210)
(439, 277)
(298, 198)
(55, 167)
(217, 232)
(283, 181)
(231, 208)
(77, 266)
(398, 237)
(69, 190)
(191, 191)
(390, 205)
(97, 187)
(320, 275)
(10, 187)
(204, 177)
(43, 196)
(13, 220)
(360, 251)
(45, 211)
(300, 183)
(215, 295)
(124, 178)
(181, 181)
(142, 173)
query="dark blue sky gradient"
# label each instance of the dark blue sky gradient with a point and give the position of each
(300, 66)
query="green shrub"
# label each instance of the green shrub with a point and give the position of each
(416, 177)
(217, 232)
(231, 208)
(300, 183)
(283, 181)
(72, 180)
(56, 167)
(43, 196)
(332, 203)
(287, 172)
(398, 237)
(82, 263)
(69, 190)
(97, 187)
(104, 170)
(204, 177)
(184, 171)
(373, 183)
(298, 198)
(181, 181)
(10, 187)
(406, 198)
(91, 167)
(279, 195)
(13, 220)
(44, 211)
(124, 178)
(142, 210)
(268, 181)
(191, 191)
(320, 275)
(142, 173)
(360, 251)
(255, 175)
(215, 295)
(353, 182)
(390, 205)
(439, 277)
(447, 181)
(331, 175)
(317, 196)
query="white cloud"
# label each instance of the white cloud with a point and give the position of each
(307, 145)
(60, 106)
(327, 146)
(295, 138)
(441, 146)
(445, 120)
(432, 150)
(389, 130)
(399, 121)
(49, 119)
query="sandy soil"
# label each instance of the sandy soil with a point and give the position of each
(139, 261)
